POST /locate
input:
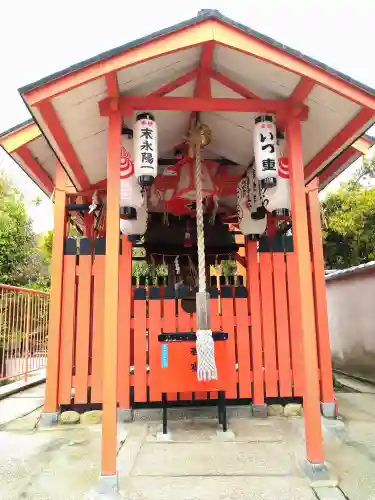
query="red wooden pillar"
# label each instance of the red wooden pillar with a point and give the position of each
(311, 395)
(124, 327)
(321, 314)
(109, 419)
(50, 413)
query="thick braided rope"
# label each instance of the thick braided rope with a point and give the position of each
(200, 221)
(206, 366)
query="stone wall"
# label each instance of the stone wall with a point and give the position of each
(351, 312)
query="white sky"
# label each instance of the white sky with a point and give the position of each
(40, 37)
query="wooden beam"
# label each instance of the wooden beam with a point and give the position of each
(363, 144)
(202, 104)
(52, 121)
(341, 139)
(54, 329)
(304, 294)
(231, 84)
(112, 85)
(36, 169)
(175, 84)
(301, 91)
(18, 138)
(320, 298)
(109, 425)
(203, 85)
(337, 166)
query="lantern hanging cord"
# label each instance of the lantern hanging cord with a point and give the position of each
(206, 365)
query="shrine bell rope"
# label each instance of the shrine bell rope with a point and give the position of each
(206, 366)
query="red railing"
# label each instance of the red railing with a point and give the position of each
(23, 332)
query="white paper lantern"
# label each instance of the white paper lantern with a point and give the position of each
(136, 226)
(277, 200)
(145, 136)
(257, 209)
(265, 153)
(247, 225)
(130, 191)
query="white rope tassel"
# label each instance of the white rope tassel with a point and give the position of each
(206, 365)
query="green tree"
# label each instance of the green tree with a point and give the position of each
(16, 235)
(349, 221)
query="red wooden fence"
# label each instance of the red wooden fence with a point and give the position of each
(262, 322)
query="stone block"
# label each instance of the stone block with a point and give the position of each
(259, 411)
(91, 417)
(293, 410)
(69, 417)
(275, 410)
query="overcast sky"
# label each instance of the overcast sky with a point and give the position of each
(40, 37)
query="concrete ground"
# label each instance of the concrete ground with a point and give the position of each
(263, 461)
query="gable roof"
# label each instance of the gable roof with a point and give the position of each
(203, 15)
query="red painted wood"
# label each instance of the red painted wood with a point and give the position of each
(124, 318)
(67, 329)
(183, 325)
(256, 321)
(282, 324)
(83, 328)
(295, 322)
(154, 347)
(268, 324)
(97, 329)
(243, 347)
(140, 374)
(348, 132)
(229, 322)
(170, 326)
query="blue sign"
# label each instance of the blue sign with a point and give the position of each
(164, 355)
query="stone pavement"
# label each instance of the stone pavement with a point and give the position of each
(263, 461)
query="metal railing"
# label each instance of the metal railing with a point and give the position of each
(23, 332)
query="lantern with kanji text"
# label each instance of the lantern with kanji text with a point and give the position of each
(249, 226)
(265, 153)
(145, 149)
(277, 199)
(130, 191)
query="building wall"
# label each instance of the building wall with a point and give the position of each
(351, 312)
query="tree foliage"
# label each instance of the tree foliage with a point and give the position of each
(16, 235)
(349, 220)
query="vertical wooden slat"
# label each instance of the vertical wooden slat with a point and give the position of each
(54, 330)
(228, 318)
(83, 325)
(154, 345)
(256, 343)
(169, 323)
(67, 329)
(124, 319)
(294, 306)
(215, 320)
(268, 323)
(243, 342)
(140, 358)
(98, 329)
(282, 324)
(320, 299)
(183, 325)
